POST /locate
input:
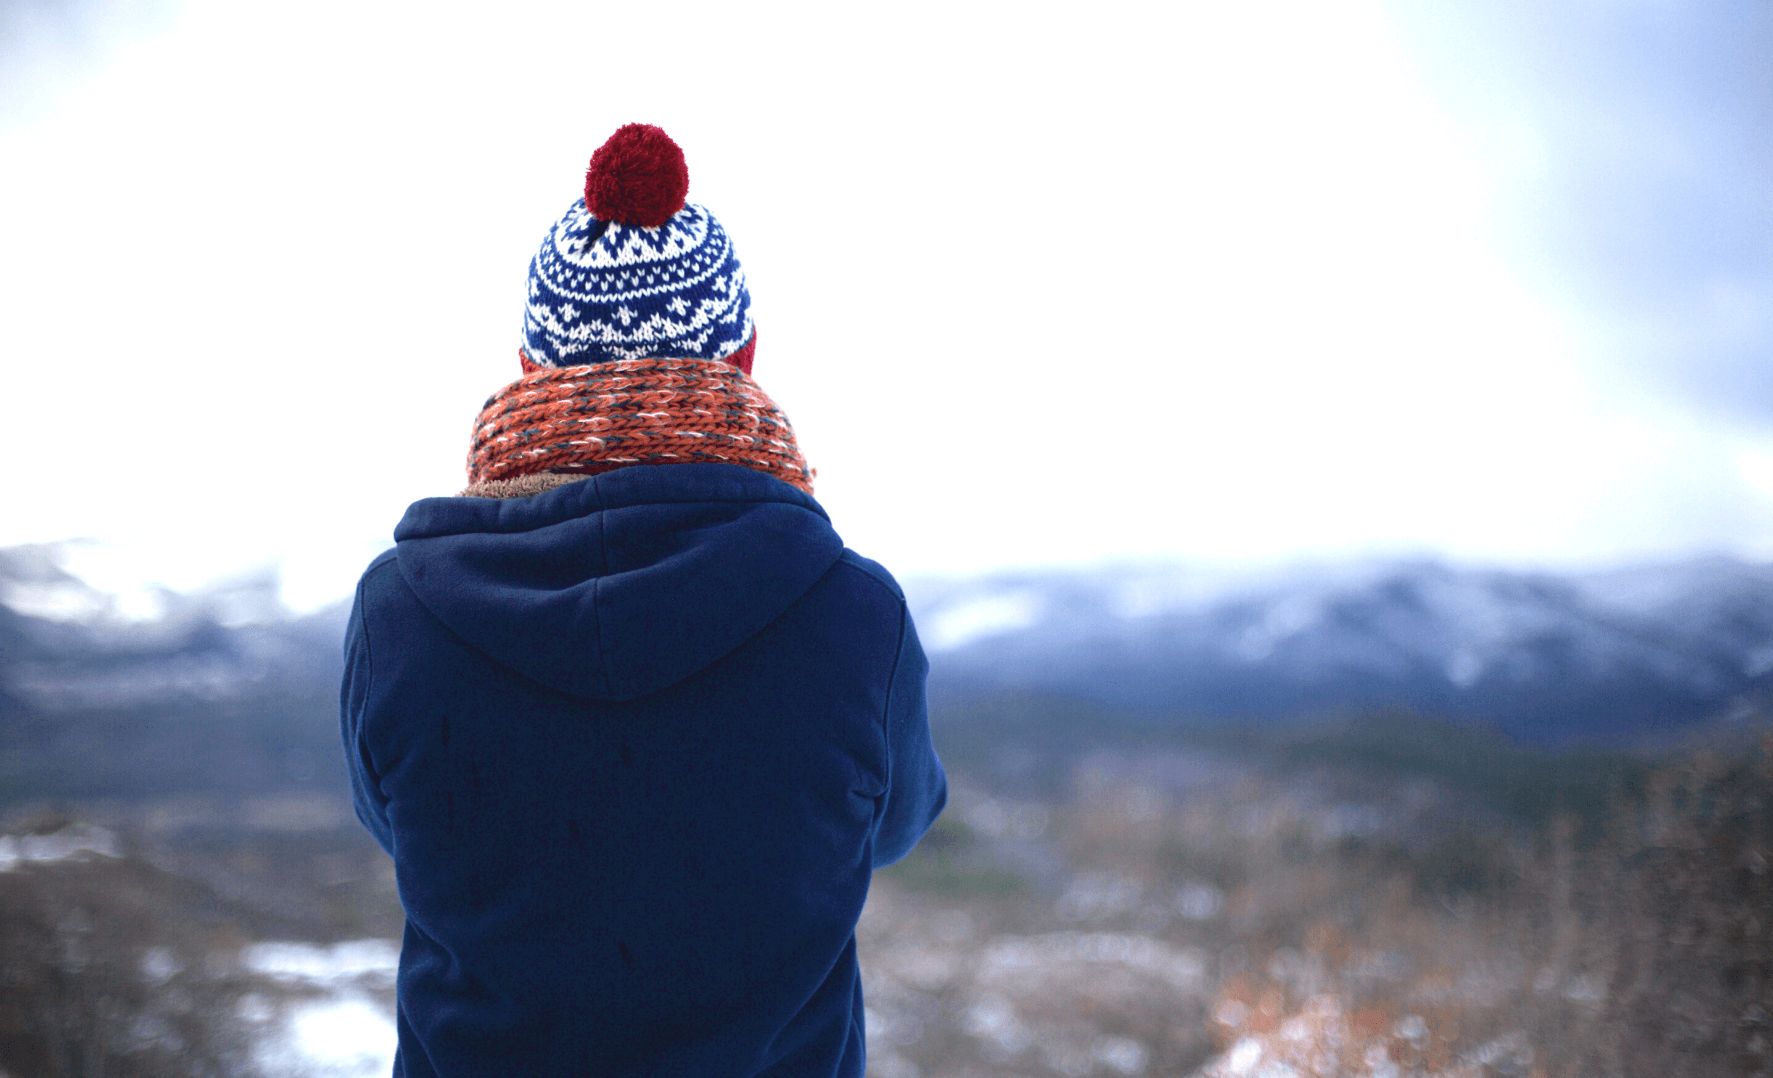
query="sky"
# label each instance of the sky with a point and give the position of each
(1038, 284)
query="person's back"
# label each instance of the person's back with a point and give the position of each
(633, 724)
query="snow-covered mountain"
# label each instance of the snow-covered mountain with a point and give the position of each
(1624, 654)
(65, 646)
(219, 689)
(224, 688)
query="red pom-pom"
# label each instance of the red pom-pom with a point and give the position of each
(637, 178)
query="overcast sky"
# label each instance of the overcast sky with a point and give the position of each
(1038, 284)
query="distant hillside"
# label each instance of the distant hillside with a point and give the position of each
(1626, 656)
(226, 692)
(95, 707)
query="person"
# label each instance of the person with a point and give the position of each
(632, 722)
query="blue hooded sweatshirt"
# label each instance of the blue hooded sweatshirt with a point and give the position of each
(635, 745)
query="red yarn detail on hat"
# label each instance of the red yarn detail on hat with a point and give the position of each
(637, 178)
(594, 418)
(743, 357)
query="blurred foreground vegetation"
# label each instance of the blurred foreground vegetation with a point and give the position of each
(1384, 896)
(1387, 895)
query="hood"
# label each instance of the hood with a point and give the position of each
(621, 584)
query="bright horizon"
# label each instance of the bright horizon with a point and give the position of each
(1223, 284)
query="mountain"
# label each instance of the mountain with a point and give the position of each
(223, 690)
(1632, 655)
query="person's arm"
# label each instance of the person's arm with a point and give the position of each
(917, 789)
(366, 792)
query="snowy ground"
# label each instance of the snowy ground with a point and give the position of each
(326, 1011)
(342, 1024)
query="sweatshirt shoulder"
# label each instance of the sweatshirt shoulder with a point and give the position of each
(865, 568)
(385, 561)
(380, 588)
(383, 570)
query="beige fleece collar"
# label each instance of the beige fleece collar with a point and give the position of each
(522, 486)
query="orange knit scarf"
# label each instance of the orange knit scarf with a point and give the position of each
(585, 420)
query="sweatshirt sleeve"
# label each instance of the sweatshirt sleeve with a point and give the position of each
(917, 788)
(366, 791)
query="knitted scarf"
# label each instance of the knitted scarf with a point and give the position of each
(578, 421)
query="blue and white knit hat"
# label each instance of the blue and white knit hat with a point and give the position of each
(632, 271)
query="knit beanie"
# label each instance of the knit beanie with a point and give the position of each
(632, 271)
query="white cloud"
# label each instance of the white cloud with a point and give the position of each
(1209, 281)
